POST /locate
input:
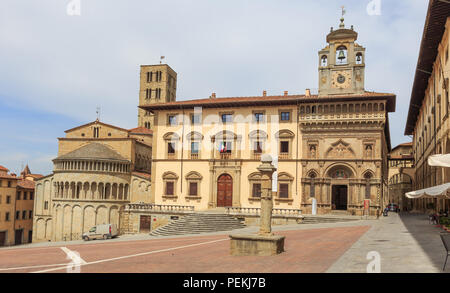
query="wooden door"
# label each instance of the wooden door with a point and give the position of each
(2, 238)
(146, 222)
(19, 235)
(225, 191)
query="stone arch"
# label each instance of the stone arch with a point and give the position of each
(58, 222)
(254, 176)
(67, 222)
(258, 134)
(40, 229)
(102, 215)
(170, 175)
(88, 217)
(312, 174)
(350, 171)
(114, 215)
(48, 229)
(368, 174)
(284, 133)
(77, 217)
(193, 175)
(225, 134)
(171, 136)
(194, 136)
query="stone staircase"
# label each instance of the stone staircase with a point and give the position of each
(328, 219)
(198, 223)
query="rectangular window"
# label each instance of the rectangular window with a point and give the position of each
(24, 215)
(169, 188)
(46, 205)
(225, 147)
(195, 119)
(284, 190)
(25, 195)
(193, 189)
(194, 148)
(9, 183)
(256, 190)
(7, 216)
(30, 215)
(18, 195)
(227, 118)
(8, 199)
(171, 148)
(258, 147)
(285, 116)
(172, 120)
(17, 215)
(259, 117)
(284, 147)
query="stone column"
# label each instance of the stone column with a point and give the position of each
(266, 169)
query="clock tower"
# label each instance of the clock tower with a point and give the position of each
(341, 63)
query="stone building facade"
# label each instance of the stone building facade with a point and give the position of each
(428, 119)
(401, 175)
(331, 149)
(99, 169)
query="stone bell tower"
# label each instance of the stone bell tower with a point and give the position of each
(341, 63)
(158, 84)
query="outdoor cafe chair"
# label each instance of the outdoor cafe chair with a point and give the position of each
(446, 241)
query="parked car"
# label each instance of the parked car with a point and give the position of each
(106, 231)
(393, 207)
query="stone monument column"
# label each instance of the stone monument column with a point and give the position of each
(266, 169)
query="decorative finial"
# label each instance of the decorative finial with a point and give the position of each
(98, 113)
(342, 25)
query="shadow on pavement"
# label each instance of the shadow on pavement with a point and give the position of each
(427, 236)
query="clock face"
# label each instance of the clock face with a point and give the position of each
(341, 79)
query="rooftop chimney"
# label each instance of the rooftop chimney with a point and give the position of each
(308, 93)
(264, 93)
(213, 95)
(286, 93)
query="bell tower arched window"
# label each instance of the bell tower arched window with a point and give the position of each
(341, 55)
(324, 61)
(359, 58)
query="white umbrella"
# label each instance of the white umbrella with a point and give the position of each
(431, 192)
(439, 160)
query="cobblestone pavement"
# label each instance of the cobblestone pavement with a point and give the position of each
(406, 243)
(311, 250)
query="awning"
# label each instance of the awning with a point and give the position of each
(439, 160)
(432, 192)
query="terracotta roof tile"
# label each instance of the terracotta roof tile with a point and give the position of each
(3, 168)
(141, 174)
(141, 130)
(255, 100)
(27, 184)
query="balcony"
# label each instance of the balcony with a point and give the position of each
(257, 156)
(194, 156)
(225, 156)
(283, 156)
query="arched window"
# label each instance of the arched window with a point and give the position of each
(359, 58)
(324, 61)
(341, 55)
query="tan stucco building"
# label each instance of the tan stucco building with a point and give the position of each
(16, 206)
(99, 169)
(331, 149)
(428, 119)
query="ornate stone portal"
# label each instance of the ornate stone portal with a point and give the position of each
(265, 243)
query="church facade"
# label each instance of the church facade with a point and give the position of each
(330, 149)
(99, 169)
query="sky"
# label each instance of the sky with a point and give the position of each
(58, 65)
